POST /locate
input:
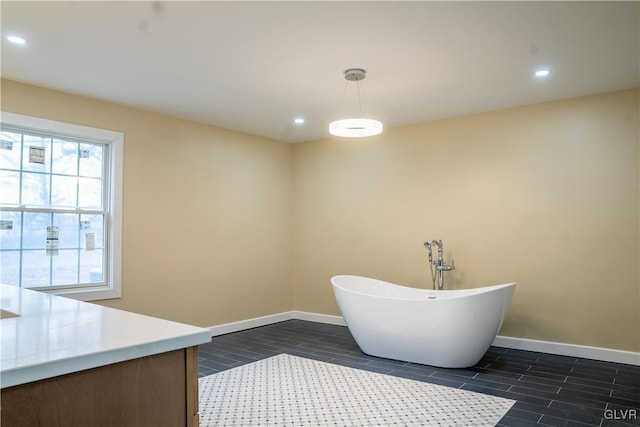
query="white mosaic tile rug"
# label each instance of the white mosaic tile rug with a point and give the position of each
(286, 390)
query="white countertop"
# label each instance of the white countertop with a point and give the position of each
(55, 336)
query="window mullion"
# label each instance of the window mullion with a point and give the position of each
(50, 173)
(20, 259)
(21, 168)
(50, 260)
(52, 210)
(79, 246)
(21, 250)
(79, 215)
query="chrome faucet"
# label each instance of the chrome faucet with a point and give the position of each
(439, 264)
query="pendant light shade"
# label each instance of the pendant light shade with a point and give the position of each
(355, 127)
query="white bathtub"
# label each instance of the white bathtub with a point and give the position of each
(449, 328)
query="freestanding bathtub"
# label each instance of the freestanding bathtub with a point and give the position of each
(448, 328)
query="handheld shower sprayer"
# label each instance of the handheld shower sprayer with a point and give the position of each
(427, 245)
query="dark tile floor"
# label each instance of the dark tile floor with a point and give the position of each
(549, 390)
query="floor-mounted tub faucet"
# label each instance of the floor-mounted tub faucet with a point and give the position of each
(440, 266)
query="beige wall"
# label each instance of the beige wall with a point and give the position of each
(206, 227)
(545, 195)
(221, 226)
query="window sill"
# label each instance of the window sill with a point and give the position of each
(88, 293)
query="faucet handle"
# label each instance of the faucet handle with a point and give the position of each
(447, 267)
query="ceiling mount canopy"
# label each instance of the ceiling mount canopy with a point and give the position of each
(354, 74)
(355, 127)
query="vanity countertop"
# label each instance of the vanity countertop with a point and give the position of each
(53, 336)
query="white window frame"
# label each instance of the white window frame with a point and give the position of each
(115, 143)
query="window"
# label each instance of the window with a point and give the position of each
(60, 207)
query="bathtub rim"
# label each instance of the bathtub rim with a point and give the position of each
(440, 295)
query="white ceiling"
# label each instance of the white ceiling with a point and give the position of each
(255, 66)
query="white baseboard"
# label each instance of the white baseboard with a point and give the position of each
(320, 318)
(562, 349)
(573, 350)
(241, 325)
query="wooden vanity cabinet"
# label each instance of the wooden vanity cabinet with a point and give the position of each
(155, 391)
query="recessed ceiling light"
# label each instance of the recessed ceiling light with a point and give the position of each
(543, 73)
(298, 120)
(16, 40)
